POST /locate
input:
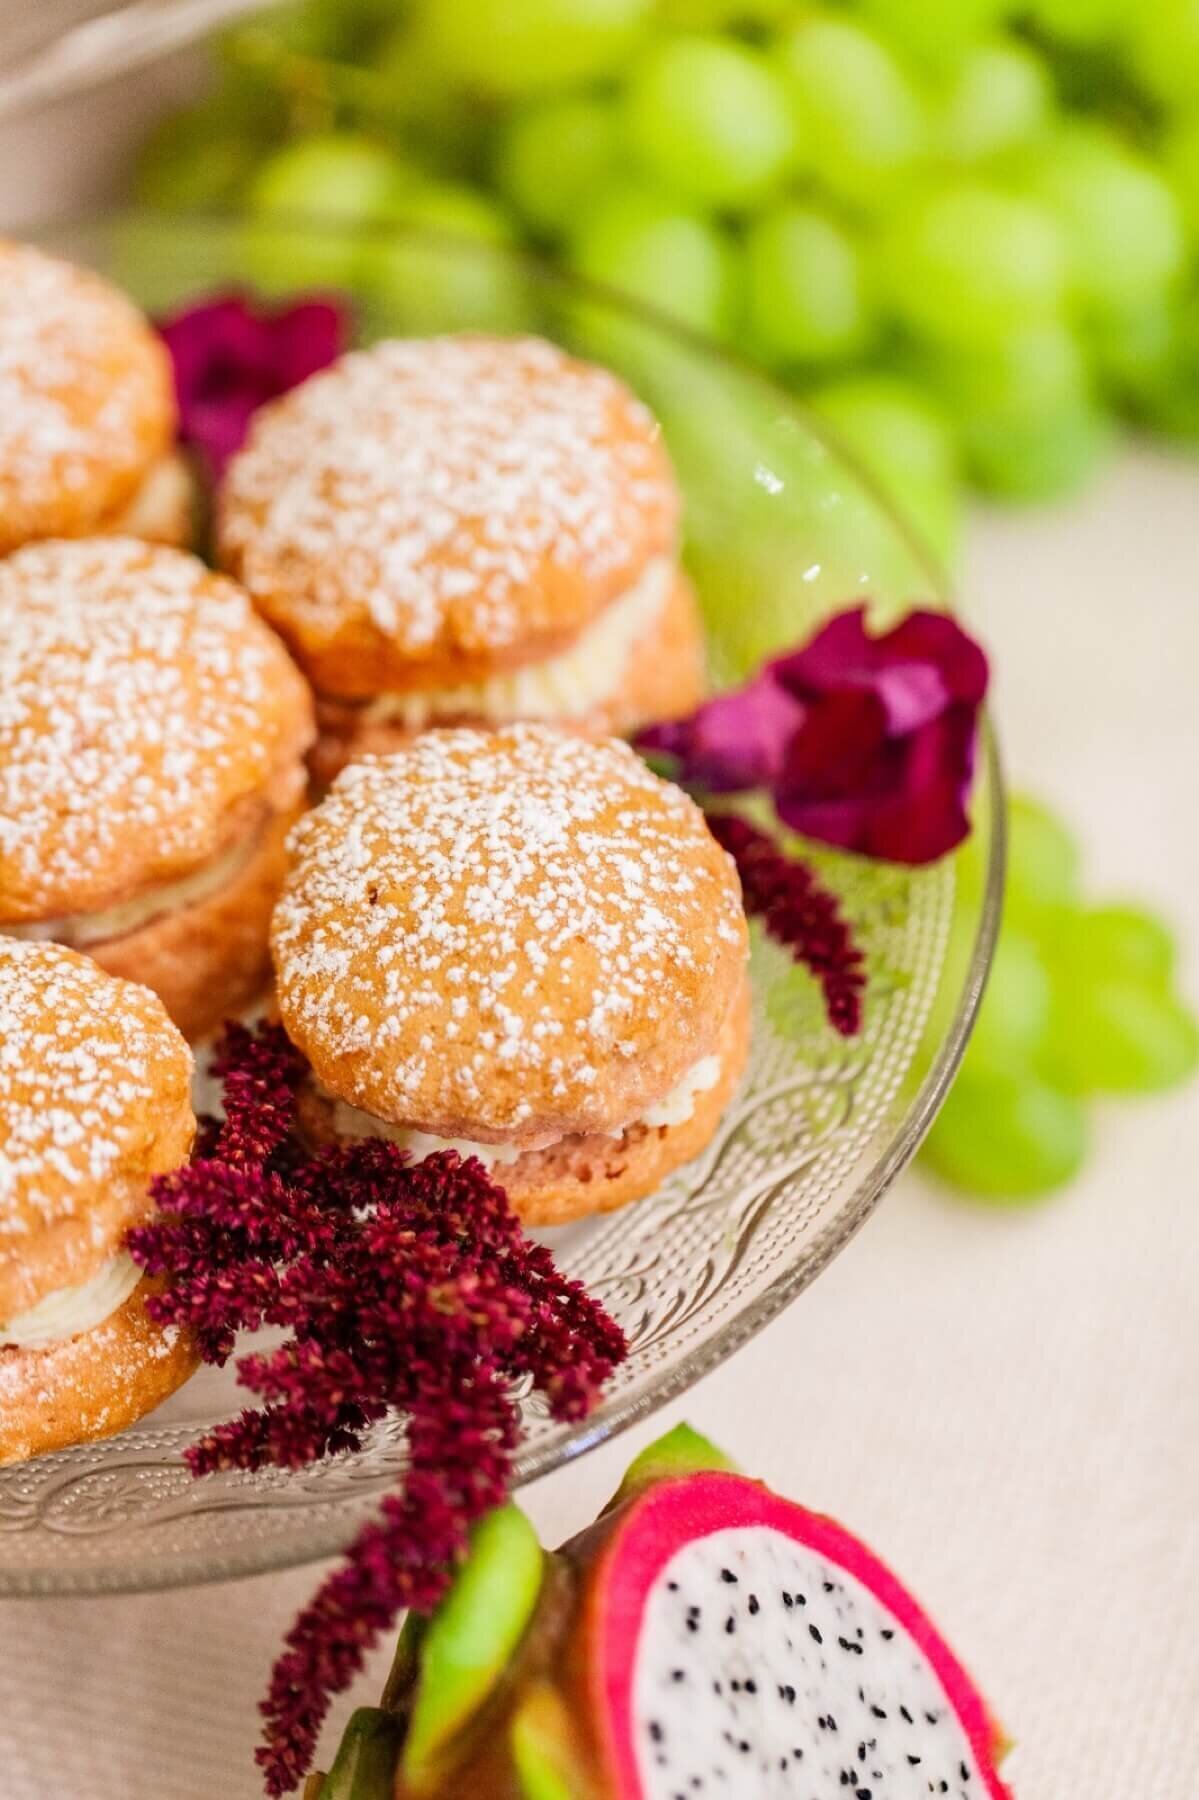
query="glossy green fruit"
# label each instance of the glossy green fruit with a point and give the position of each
(902, 439)
(470, 1639)
(552, 156)
(806, 294)
(1120, 1037)
(681, 1451)
(967, 262)
(1013, 1021)
(644, 244)
(1117, 941)
(427, 286)
(366, 1760)
(1006, 1137)
(1121, 221)
(1038, 459)
(1000, 96)
(709, 120)
(308, 205)
(861, 120)
(1044, 861)
(513, 47)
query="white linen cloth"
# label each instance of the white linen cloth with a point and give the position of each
(1004, 1403)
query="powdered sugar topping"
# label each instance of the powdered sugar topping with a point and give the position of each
(81, 1057)
(137, 704)
(517, 931)
(74, 398)
(450, 494)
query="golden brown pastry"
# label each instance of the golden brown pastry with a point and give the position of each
(87, 409)
(94, 1101)
(465, 529)
(152, 736)
(521, 944)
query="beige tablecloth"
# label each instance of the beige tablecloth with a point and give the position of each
(1005, 1403)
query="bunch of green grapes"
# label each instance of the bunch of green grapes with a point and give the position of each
(1081, 1002)
(969, 224)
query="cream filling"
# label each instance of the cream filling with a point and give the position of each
(161, 508)
(566, 686)
(69, 1311)
(674, 1109)
(80, 929)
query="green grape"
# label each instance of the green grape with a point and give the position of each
(1044, 863)
(302, 203)
(904, 442)
(551, 156)
(1079, 21)
(1006, 1136)
(934, 32)
(1164, 48)
(421, 287)
(1024, 409)
(1037, 459)
(513, 47)
(1119, 1036)
(663, 255)
(723, 15)
(1165, 393)
(192, 161)
(1013, 1021)
(307, 28)
(444, 124)
(1122, 224)
(862, 124)
(1022, 376)
(709, 120)
(1000, 97)
(1117, 941)
(1129, 347)
(805, 289)
(1180, 159)
(967, 263)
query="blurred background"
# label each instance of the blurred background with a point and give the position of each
(966, 234)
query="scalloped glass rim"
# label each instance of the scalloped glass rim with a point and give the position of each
(311, 1519)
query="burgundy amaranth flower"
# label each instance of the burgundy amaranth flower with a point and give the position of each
(404, 1287)
(799, 913)
(229, 358)
(867, 743)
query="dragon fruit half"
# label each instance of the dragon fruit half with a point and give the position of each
(703, 1638)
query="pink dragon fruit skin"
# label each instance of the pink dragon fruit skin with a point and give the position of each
(829, 1681)
(702, 1640)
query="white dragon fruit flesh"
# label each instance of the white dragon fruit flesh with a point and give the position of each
(741, 1646)
(703, 1640)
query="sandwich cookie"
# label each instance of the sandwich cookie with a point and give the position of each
(152, 737)
(465, 530)
(87, 410)
(94, 1101)
(521, 945)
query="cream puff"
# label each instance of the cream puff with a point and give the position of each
(87, 410)
(95, 1087)
(521, 945)
(465, 530)
(152, 741)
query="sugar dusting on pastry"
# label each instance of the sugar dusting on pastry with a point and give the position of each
(83, 1060)
(517, 931)
(85, 395)
(140, 699)
(449, 494)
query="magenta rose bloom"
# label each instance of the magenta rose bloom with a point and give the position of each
(867, 743)
(229, 358)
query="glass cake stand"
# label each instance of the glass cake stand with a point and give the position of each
(780, 527)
